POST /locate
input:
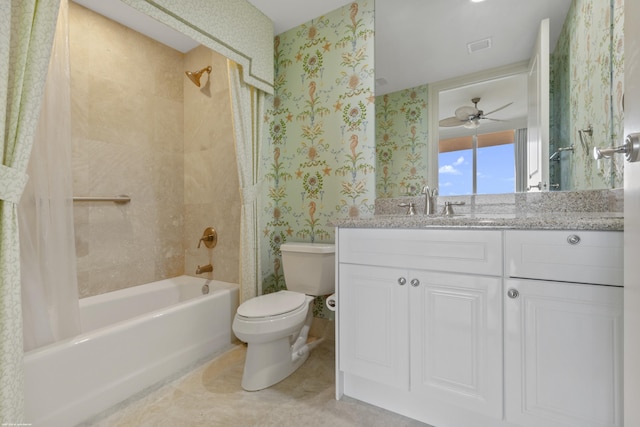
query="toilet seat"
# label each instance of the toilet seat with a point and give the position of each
(274, 304)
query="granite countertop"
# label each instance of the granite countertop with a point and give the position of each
(600, 221)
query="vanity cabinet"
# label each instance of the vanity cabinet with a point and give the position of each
(420, 326)
(409, 320)
(563, 330)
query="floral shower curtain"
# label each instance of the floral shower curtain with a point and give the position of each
(26, 33)
(248, 109)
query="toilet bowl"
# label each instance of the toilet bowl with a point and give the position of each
(276, 326)
(271, 316)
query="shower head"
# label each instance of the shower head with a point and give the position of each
(195, 76)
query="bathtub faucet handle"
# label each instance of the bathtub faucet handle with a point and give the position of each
(205, 240)
(209, 237)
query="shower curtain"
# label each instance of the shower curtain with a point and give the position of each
(248, 109)
(47, 246)
(26, 34)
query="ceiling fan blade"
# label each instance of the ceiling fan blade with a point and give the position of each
(452, 121)
(493, 120)
(497, 109)
(464, 112)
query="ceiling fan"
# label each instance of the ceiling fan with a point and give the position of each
(470, 116)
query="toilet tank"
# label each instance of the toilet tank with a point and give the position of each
(309, 268)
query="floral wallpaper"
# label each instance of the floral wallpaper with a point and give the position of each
(320, 151)
(401, 142)
(587, 88)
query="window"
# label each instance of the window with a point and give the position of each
(494, 161)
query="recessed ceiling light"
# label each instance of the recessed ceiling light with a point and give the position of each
(476, 1)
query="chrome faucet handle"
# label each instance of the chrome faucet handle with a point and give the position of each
(448, 208)
(411, 206)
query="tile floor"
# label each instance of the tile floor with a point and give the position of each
(211, 395)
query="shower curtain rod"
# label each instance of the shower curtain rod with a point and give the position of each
(121, 199)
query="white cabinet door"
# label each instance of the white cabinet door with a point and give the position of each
(563, 354)
(456, 340)
(374, 324)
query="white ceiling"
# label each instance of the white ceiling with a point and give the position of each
(130, 17)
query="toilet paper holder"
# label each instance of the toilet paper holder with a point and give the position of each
(331, 302)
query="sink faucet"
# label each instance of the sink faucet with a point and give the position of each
(429, 200)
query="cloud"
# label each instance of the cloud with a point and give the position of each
(449, 169)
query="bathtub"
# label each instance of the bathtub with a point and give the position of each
(132, 339)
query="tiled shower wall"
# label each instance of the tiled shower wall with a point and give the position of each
(138, 128)
(211, 192)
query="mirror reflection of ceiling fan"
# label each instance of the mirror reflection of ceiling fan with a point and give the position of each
(470, 117)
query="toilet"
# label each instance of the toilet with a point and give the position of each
(275, 326)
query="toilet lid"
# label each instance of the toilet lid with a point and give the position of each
(271, 304)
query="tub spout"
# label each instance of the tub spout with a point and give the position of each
(204, 269)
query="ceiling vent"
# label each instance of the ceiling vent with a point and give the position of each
(476, 46)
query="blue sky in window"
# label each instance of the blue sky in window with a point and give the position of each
(496, 171)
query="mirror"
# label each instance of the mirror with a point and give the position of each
(460, 59)
(497, 100)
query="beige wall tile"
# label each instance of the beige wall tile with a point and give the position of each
(140, 127)
(211, 176)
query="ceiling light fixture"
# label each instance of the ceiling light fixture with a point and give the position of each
(472, 124)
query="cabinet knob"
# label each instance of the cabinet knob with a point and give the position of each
(573, 239)
(402, 281)
(513, 293)
(415, 282)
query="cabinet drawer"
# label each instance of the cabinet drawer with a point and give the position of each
(461, 251)
(569, 256)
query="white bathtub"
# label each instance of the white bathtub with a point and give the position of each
(132, 339)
